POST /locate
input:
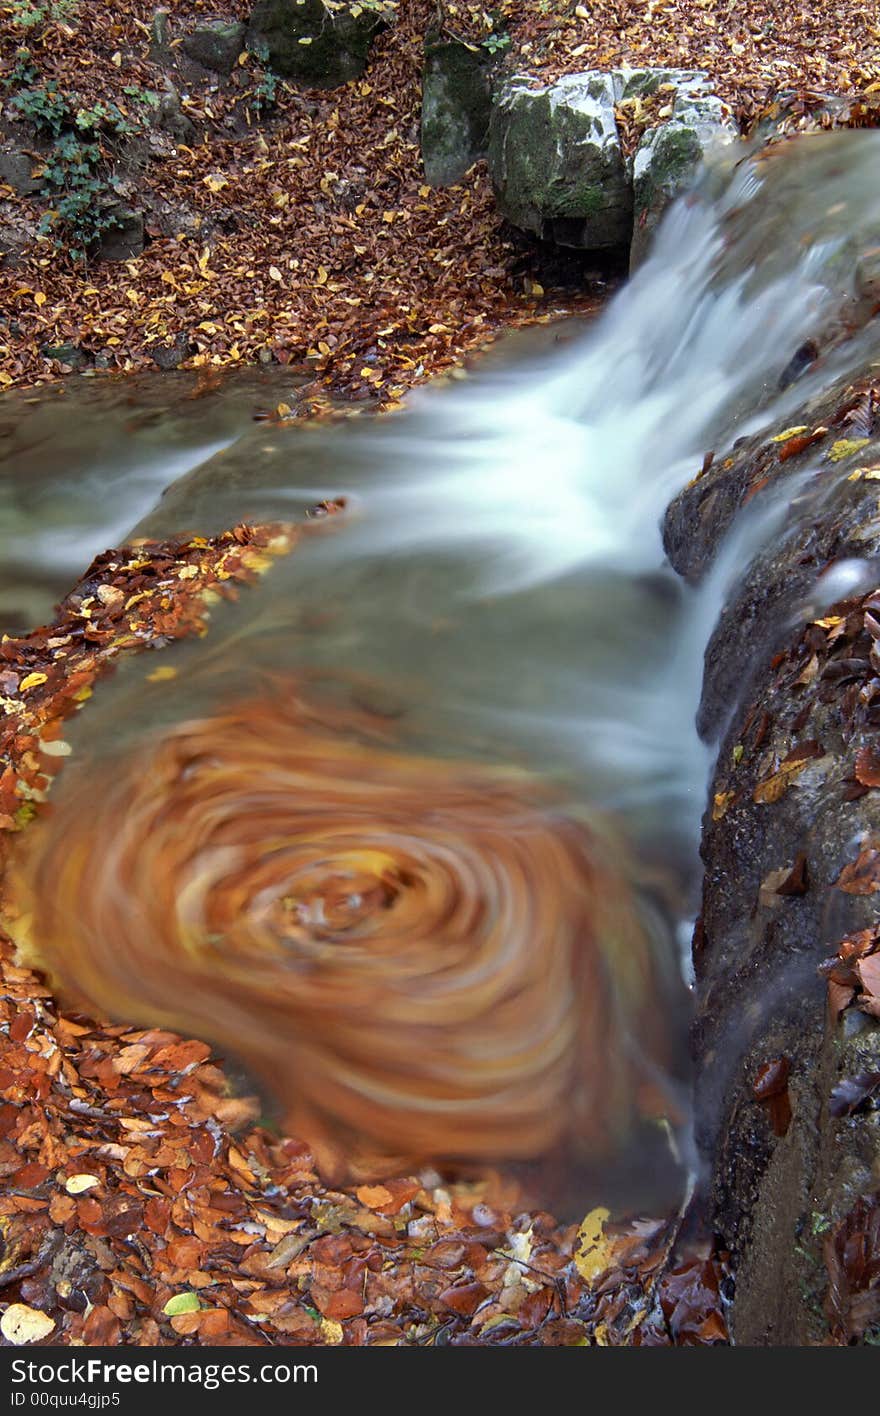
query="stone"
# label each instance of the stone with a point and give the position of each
(170, 117)
(320, 46)
(645, 83)
(556, 162)
(170, 356)
(670, 156)
(15, 172)
(69, 354)
(126, 238)
(456, 108)
(160, 48)
(215, 45)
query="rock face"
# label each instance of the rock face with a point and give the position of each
(456, 108)
(556, 161)
(792, 852)
(670, 154)
(319, 45)
(16, 171)
(215, 45)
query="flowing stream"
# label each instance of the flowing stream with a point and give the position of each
(484, 656)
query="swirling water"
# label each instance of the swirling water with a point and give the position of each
(496, 591)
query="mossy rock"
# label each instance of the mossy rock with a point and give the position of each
(319, 45)
(668, 159)
(215, 45)
(456, 108)
(556, 162)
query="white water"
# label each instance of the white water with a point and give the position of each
(520, 510)
(498, 585)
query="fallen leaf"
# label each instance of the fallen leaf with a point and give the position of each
(21, 1324)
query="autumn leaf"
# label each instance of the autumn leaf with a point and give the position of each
(21, 1324)
(594, 1252)
(182, 1303)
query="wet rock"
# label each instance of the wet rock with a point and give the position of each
(215, 45)
(16, 170)
(456, 108)
(170, 356)
(670, 155)
(69, 354)
(791, 112)
(556, 162)
(306, 41)
(791, 692)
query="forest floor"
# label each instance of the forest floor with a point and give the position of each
(304, 232)
(143, 1203)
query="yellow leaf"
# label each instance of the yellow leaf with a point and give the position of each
(322, 276)
(790, 433)
(56, 748)
(275, 273)
(594, 1251)
(720, 803)
(844, 447)
(182, 1303)
(21, 1324)
(117, 59)
(78, 1184)
(215, 182)
(330, 1331)
(31, 681)
(188, 572)
(40, 299)
(162, 675)
(374, 1196)
(772, 788)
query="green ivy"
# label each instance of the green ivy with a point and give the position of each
(48, 110)
(23, 71)
(28, 15)
(74, 176)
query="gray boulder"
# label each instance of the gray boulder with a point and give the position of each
(456, 108)
(215, 45)
(16, 170)
(556, 161)
(671, 154)
(318, 45)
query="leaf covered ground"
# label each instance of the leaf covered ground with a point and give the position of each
(305, 233)
(144, 1203)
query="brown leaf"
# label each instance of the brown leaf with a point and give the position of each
(867, 769)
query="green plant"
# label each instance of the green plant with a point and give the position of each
(28, 15)
(104, 118)
(23, 70)
(45, 107)
(264, 94)
(84, 206)
(83, 212)
(496, 43)
(148, 97)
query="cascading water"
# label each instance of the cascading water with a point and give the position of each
(414, 828)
